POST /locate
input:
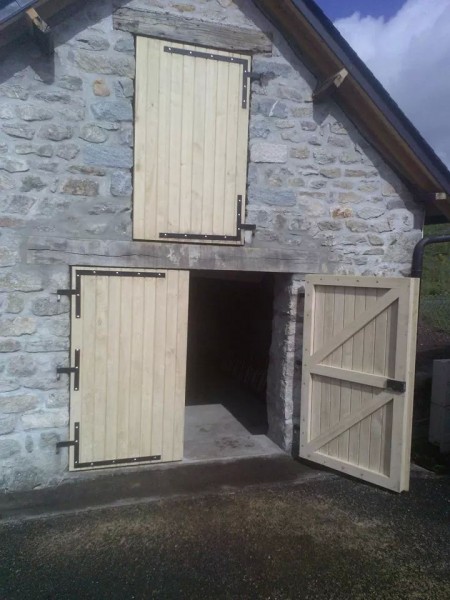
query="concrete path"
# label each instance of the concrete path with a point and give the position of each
(256, 529)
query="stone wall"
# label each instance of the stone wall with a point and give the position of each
(66, 136)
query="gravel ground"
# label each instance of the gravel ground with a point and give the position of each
(326, 537)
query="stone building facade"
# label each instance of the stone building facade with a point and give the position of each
(322, 199)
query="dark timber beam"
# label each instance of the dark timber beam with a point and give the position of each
(181, 29)
(41, 32)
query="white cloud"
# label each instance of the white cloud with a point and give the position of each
(410, 55)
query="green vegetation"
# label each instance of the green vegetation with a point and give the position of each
(435, 294)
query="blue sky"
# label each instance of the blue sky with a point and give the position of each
(406, 43)
(336, 9)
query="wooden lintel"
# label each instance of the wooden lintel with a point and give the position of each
(327, 87)
(41, 32)
(191, 31)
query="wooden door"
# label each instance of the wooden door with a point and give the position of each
(191, 126)
(128, 339)
(358, 376)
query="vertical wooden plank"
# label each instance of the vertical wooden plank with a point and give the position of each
(87, 380)
(209, 158)
(180, 364)
(175, 128)
(335, 386)
(151, 126)
(113, 367)
(100, 362)
(125, 368)
(163, 149)
(357, 365)
(148, 352)
(198, 145)
(367, 393)
(136, 366)
(219, 199)
(379, 368)
(232, 158)
(159, 367)
(142, 160)
(347, 357)
(170, 364)
(326, 384)
(187, 142)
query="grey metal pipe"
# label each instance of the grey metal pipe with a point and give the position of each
(417, 260)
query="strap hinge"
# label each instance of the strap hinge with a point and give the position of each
(68, 370)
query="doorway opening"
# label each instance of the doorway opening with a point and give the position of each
(229, 337)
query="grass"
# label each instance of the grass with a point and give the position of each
(435, 291)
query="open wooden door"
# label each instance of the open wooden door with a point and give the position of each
(358, 376)
(128, 347)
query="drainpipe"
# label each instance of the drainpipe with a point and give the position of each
(417, 260)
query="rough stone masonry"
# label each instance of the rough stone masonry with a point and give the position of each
(66, 157)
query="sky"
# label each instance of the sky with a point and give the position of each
(406, 44)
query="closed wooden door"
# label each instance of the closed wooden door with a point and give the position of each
(128, 340)
(358, 376)
(192, 108)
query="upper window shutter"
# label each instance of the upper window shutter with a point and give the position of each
(191, 143)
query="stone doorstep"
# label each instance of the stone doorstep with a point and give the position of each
(89, 490)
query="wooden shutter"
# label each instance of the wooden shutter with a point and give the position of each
(191, 143)
(358, 376)
(128, 336)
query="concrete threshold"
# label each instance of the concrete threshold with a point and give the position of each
(153, 484)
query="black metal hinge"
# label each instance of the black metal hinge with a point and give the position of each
(394, 385)
(221, 58)
(75, 370)
(240, 226)
(99, 463)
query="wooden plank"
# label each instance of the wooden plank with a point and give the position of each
(113, 366)
(209, 158)
(336, 359)
(176, 101)
(357, 364)
(87, 368)
(136, 366)
(367, 394)
(100, 367)
(148, 353)
(308, 423)
(125, 344)
(199, 144)
(326, 384)
(163, 149)
(231, 155)
(192, 31)
(220, 200)
(360, 377)
(180, 365)
(161, 317)
(170, 364)
(347, 354)
(187, 143)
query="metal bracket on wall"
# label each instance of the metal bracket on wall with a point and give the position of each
(213, 237)
(246, 75)
(99, 463)
(75, 370)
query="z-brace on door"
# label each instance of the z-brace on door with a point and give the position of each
(191, 141)
(128, 339)
(358, 376)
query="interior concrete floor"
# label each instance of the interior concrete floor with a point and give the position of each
(212, 432)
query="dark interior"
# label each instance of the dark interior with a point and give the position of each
(229, 335)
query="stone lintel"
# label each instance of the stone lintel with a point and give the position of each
(192, 31)
(154, 255)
